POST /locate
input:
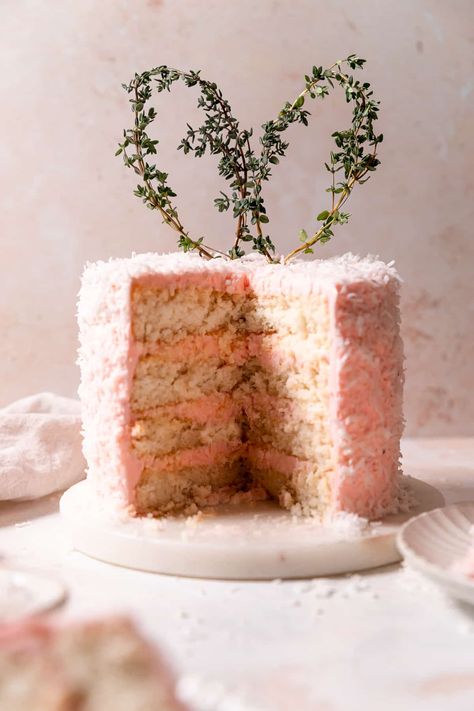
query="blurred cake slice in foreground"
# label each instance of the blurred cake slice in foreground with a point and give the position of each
(94, 666)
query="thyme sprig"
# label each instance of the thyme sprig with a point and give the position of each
(242, 169)
(356, 152)
(154, 190)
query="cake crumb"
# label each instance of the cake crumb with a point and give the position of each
(406, 497)
(194, 520)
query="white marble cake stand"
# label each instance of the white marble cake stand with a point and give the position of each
(258, 541)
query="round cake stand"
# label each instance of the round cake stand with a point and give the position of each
(239, 542)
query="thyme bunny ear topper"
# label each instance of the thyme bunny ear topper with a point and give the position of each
(352, 161)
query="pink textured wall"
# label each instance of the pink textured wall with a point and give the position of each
(66, 199)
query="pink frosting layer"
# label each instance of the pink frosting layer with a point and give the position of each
(366, 397)
(198, 457)
(270, 352)
(366, 363)
(279, 461)
(213, 408)
(206, 346)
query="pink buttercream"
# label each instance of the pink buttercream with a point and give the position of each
(279, 461)
(269, 352)
(206, 346)
(197, 457)
(219, 407)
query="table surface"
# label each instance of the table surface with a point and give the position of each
(386, 639)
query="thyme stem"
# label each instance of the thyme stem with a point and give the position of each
(245, 171)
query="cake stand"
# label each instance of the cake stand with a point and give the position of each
(240, 542)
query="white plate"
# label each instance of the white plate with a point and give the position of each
(252, 542)
(433, 541)
(23, 593)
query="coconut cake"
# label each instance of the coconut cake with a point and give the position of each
(200, 379)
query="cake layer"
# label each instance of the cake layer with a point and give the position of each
(157, 382)
(161, 434)
(286, 382)
(296, 372)
(291, 480)
(163, 314)
(295, 428)
(172, 491)
(287, 314)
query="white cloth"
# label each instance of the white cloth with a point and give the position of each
(40, 446)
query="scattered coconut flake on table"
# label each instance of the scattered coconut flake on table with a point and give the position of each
(414, 582)
(205, 695)
(347, 524)
(325, 588)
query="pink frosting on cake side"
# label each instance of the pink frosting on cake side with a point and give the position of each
(108, 355)
(366, 396)
(366, 373)
(107, 364)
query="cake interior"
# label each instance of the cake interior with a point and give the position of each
(230, 392)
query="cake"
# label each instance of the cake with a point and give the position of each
(202, 379)
(89, 666)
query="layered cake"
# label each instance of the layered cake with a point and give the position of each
(201, 379)
(81, 667)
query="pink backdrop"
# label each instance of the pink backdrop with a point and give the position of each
(65, 199)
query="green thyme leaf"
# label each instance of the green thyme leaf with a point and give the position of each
(245, 171)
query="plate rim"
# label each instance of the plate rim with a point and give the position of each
(435, 571)
(265, 556)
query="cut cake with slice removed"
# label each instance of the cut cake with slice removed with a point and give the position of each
(200, 379)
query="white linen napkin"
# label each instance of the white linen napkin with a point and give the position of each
(40, 446)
